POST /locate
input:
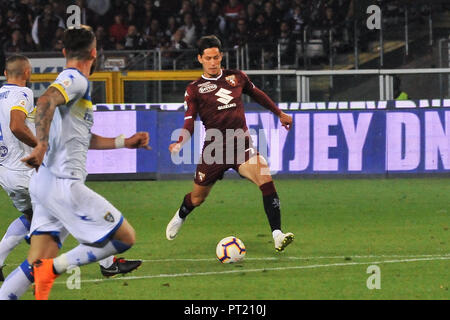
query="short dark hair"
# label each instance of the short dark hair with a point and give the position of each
(12, 69)
(207, 42)
(78, 42)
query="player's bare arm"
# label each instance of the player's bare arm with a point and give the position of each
(20, 129)
(45, 109)
(136, 141)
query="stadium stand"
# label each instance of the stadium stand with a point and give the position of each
(305, 34)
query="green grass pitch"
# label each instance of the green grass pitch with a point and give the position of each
(341, 226)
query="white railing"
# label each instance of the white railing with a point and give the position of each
(385, 78)
(303, 77)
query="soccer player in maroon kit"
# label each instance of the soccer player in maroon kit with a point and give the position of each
(216, 98)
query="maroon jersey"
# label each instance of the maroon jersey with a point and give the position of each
(218, 101)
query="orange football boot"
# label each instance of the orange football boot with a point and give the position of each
(44, 276)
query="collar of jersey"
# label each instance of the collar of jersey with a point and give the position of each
(11, 84)
(75, 70)
(221, 72)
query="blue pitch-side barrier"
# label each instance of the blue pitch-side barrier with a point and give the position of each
(343, 141)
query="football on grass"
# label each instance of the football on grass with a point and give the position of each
(230, 249)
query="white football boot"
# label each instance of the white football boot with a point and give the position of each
(283, 240)
(174, 226)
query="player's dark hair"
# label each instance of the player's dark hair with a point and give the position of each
(17, 70)
(207, 42)
(78, 42)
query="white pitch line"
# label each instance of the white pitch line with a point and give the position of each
(300, 258)
(316, 266)
(284, 258)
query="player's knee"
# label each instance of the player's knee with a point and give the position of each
(123, 244)
(130, 237)
(265, 179)
(126, 234)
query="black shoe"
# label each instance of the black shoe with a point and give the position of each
(2, 278)
(120, 266)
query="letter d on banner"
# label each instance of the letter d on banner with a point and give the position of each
(402, 141)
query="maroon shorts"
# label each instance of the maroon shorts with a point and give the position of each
(212, 168)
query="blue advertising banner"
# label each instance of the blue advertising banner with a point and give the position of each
(320, 142)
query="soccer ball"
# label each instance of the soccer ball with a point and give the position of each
(230, 249)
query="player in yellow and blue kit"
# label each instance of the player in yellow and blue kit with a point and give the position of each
(64, 118)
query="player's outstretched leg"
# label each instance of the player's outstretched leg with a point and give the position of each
(45, 271)
(259, 173)
(190, 202)
(178, 219)
(272, 208)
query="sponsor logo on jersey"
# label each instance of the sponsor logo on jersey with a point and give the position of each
(3, 152)
(224, 96)
(231, 80)
(226, 106)
(210, 87)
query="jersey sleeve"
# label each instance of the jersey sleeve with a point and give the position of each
(71, 85)
(258, 95)
(248, 85)
(23, 101)
(190, 115)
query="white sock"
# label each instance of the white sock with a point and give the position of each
(276, 233)
(17, 282)
(83, 254)
(16, 232)
(107, 262)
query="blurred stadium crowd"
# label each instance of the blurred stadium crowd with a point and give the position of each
(37, 25)
(171, 25)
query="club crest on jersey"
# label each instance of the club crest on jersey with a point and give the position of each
(67, 83)
(109, 217)
(231, 80)
(201, 176)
